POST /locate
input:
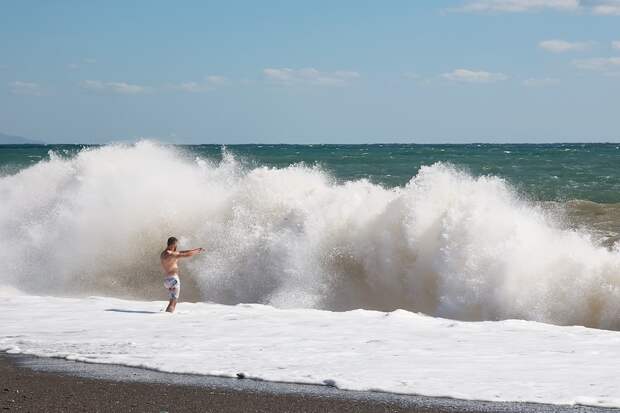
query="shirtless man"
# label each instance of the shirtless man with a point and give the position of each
(169, 262)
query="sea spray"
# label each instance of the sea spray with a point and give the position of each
(447, 244)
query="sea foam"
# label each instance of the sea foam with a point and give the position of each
(398, 352)
(447, 244)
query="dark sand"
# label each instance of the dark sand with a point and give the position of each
(30, 384)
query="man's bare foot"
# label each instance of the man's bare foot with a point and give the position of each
(171, 306)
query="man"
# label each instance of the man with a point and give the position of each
(169, 262)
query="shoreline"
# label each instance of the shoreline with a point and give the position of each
(29, 383)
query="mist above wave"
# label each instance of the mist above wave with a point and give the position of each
(447, 244)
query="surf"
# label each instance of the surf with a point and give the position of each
(447, 244)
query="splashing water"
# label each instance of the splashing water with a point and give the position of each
(447, 244)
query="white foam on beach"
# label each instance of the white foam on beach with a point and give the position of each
(448, 244)
(400, 352)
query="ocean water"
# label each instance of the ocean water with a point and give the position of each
(475, 232)
(338, 265)
(551, 172)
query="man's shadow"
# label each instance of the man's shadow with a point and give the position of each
(118, 310)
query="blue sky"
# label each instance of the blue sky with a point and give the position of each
(306, 72)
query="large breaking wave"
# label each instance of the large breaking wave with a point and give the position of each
(448, 244)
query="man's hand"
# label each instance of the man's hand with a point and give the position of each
(190, 253)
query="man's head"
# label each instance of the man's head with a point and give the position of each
(172, 243)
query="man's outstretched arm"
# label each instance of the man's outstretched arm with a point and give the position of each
(189, 253)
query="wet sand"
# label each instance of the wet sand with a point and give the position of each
(31, 384)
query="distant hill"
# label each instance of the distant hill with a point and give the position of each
(17, 140)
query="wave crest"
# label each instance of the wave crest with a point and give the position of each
(447, 244)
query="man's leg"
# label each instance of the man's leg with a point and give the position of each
(171, 305)
(174, 288)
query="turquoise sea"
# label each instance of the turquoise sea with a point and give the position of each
(548, 172)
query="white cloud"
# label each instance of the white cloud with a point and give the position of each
(192, 87)
(541, 82)
(598, 7)
(562, 46)
(126, 88)
(19, 87)
(473, 76)
(210, 83)
(616, 45)
(123, 88)
(120, 88)
(309, 76)
(517, 6)
(608, 65)
(216, 80)
(92, 85)
(603, 7)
